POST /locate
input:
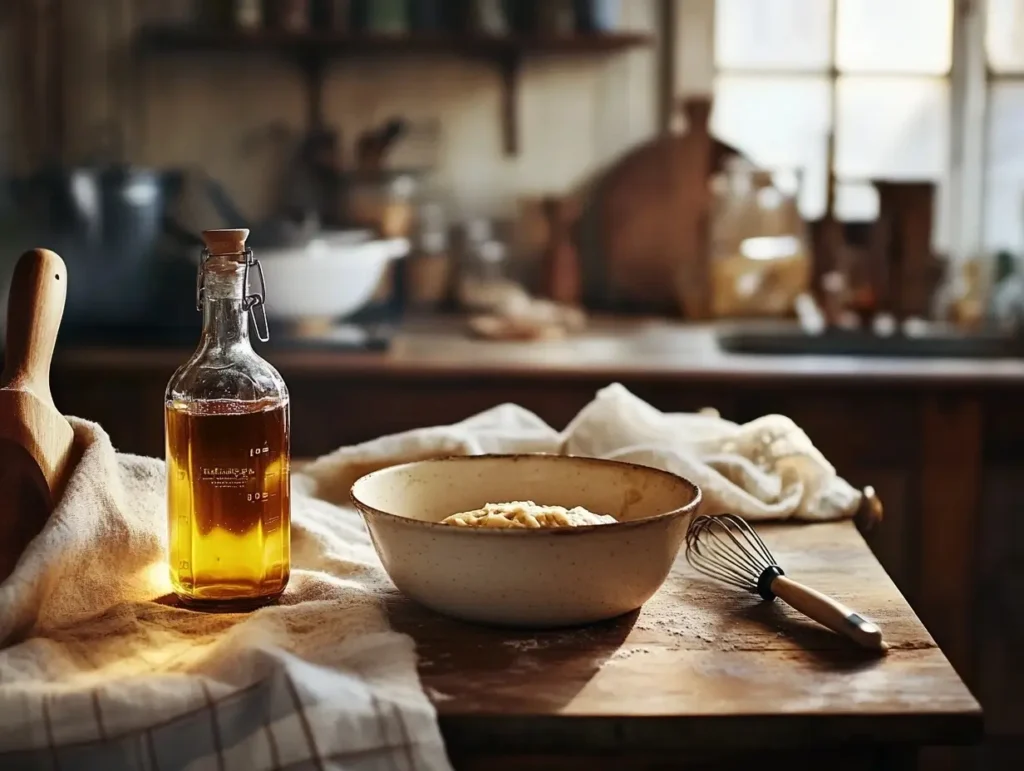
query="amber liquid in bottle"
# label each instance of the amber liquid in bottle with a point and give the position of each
(228, 500)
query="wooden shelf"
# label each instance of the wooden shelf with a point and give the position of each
(340, 44)
(313, 49)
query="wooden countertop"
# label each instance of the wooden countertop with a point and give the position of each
(610, 349)
(700, 667)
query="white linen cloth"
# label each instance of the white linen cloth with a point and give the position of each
(97, 672)
(95, 675)
(765, 469)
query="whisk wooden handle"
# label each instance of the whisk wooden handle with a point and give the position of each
(829, 612)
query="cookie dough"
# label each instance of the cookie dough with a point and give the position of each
(527, 514)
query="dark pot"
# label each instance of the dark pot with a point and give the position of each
(107, 224)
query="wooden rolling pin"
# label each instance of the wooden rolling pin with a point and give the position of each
(36, 441)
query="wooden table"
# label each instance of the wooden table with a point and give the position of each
(702, 673)
(939, 441)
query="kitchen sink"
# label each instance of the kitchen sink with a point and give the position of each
(930, 342)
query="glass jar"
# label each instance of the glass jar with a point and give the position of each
(384, 202)
(227, 423)
(386, 17)
(428, 270)
(248, 14)
(484, 284)
(760, 259)
(292, 15)
(488, 17)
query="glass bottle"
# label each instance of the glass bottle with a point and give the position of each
(227, 418)
(483, 283)
(759, 256)
(428, 271)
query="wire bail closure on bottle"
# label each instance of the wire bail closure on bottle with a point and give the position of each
(250, 302)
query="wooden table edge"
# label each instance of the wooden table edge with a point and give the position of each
(553, 734)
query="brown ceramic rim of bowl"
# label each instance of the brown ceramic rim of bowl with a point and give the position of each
(518, 532)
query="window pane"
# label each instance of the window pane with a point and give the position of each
(1004, 35)
(856, 202)
(892, 128)
(779, 123)
(1004, 168)
(773, 34)
(902, 36)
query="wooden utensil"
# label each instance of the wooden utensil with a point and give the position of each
(726, 548)
(372, 146)
(562, 281)
(651, 213)
(36, 441)
(905, 258)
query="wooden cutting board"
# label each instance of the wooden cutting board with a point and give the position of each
(36, 441)
(649, 219)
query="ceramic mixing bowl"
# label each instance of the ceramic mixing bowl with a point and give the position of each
(329, 278)
(526, 577)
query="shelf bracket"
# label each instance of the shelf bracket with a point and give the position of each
(510, 65)
(313, 66)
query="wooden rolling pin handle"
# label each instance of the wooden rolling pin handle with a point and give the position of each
(830, 613)
(35, 308)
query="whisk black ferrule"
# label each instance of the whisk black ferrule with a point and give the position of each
(764, 581)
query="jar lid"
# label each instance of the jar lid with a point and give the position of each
(434, 241)
(226, 241)
(478, 230)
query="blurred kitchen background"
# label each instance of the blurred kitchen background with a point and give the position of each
(852, 164)
(806, 207)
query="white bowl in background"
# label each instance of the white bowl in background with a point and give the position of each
(329, 278)
(533, 578)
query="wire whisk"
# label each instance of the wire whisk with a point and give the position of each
(729, 550)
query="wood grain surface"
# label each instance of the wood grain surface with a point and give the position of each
(701, 667)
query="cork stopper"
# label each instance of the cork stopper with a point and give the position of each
(225, 242)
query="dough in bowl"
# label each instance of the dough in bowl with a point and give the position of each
(527, 514)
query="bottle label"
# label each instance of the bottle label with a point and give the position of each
(223, 478)
(236, 477)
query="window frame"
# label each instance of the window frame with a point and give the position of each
(969, 78)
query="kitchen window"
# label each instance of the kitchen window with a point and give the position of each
(873, 74)
(935, 93)
(1003, 220)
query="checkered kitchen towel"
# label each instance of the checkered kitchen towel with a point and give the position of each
(96, 672)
